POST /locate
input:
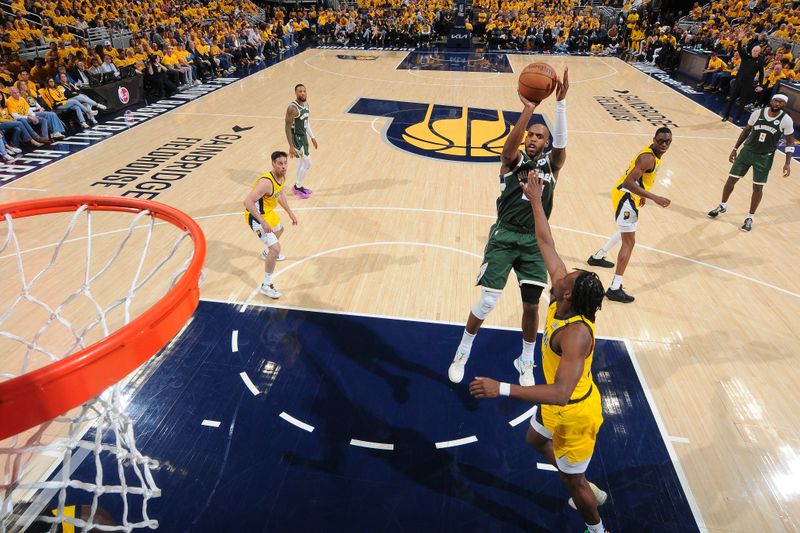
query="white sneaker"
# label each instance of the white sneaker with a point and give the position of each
(599, 495)
(101, 106)
(84, 125)
(58, 135)
(269, 290)
(8, 159)
(13, 149)
(525, 369)
(456, 370)
(265, 253)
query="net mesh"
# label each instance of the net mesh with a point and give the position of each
(40, 466)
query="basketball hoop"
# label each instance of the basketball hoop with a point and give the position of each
(34, 395)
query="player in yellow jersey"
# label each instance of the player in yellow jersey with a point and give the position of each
(628, 196)
(260, 215)
(570, 413)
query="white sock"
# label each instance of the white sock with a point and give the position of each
(723, 205)
(616, 282)
(597, 528)
(466, 342)
(267, 278)
(527, 351)
(302, 170)
(751, 216)
(601, 253)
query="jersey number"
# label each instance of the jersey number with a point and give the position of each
(762, 137)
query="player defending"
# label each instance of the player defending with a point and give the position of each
(298, 131)
(264, 221)
(628, 196)
(511, 241)
(570, 413)
(760, 138)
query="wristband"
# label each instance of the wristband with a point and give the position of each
(505, 389)
(790, 149)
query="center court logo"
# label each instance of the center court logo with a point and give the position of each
(438, 131)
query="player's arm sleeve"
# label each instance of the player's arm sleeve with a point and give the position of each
(787, 125)
(560, 127)
(308, 129)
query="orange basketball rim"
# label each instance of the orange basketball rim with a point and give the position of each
(47, 392)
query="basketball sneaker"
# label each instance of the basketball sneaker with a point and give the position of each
(456, 370)
(717, 211)
(525, 369)
(269, 290)
(265, 253)
(618, 295)
(602, 262)
(599, 495)
(301, 192)
(748, 224)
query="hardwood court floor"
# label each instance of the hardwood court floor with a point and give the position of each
(389, 232)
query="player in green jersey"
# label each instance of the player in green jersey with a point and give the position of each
(512, 240)
(760, 137)
(298, 130)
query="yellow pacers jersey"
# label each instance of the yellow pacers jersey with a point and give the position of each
(551, 359)
(646, 181)
(266, 203)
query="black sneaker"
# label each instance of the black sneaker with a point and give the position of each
(602, 262)
(618, 295)
(714, 213)
(748, 225)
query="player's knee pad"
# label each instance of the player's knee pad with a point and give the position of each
(530, 293)
(484, 306)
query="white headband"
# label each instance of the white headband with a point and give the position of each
(781, 97)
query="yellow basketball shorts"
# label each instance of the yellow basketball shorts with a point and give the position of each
(573, 429)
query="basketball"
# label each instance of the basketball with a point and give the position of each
(537, 81)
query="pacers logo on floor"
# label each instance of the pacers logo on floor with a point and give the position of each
(439, 131)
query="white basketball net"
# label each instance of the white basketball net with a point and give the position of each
(100, 434)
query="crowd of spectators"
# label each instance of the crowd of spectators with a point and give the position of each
(174, 44)
(171, 44)
(759, 33)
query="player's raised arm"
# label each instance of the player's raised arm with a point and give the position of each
(559, 154)
(544, 238)
(511, 147)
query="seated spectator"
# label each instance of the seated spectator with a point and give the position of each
(720, 81)
(715, 64)
(21, 110)
(79, 75)
(157, 75)
(73, 92)
(7, 115)
(173, 62)
(12, 132)
(54, 123)
(58, 102)
(767, 88)
(108, 67)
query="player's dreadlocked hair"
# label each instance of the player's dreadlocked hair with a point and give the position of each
(587, 294)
